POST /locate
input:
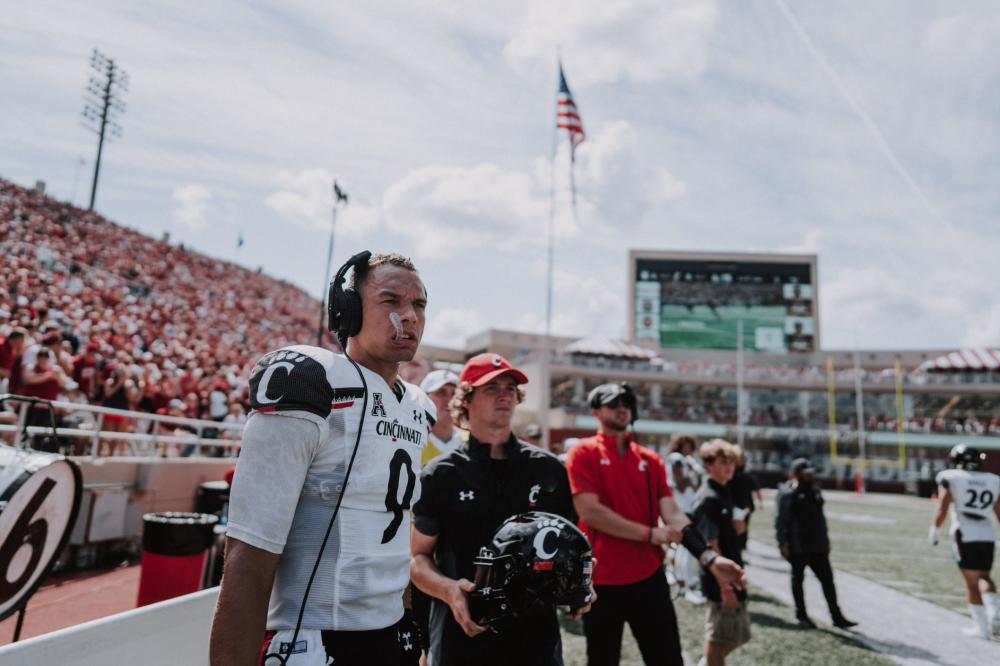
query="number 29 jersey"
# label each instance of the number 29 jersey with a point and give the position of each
(974, 495)
(308, 404)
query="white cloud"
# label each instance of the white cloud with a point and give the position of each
(643, 41)
(451, 326)
(306, 198)
(584, 303)
(810, 243)
(191, 205)
(450, 209)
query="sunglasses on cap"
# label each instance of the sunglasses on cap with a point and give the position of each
(616, 403)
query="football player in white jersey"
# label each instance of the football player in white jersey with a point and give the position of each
(330, 433)
(972, 495)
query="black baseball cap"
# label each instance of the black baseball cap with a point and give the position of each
(802, 465)
(606, 394)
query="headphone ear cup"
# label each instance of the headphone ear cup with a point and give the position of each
(332, 321)
(351, 318)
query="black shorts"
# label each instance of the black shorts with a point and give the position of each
(973, 555)
(396, 645)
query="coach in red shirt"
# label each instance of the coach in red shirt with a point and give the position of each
(620, 492)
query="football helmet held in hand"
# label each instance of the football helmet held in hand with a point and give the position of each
(534, 558)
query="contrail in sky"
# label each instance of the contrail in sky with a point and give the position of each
(873, 129)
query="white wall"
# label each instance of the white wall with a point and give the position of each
(171, 632)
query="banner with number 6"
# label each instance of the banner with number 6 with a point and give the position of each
(39, 499)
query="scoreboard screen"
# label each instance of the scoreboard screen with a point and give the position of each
(696, 301)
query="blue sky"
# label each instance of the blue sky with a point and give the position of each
(864, 132)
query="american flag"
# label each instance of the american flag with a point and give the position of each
(567, 117)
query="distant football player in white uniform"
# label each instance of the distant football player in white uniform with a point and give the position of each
(324, 433)
(972, 496)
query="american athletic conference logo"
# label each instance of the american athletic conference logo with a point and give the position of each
(378, 409)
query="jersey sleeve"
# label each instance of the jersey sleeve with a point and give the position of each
(661, 486)
(581, 466)
(706, 515)
(427, 510)
(274, 459)
(942, 478)
(292, 379)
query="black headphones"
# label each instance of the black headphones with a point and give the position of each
(344, 305)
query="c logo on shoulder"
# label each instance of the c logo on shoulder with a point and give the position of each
(42, 495)
(266, 379)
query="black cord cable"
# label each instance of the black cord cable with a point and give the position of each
(283, 659)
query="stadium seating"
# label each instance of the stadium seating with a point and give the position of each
(182, 325)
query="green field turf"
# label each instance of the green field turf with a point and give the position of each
(776, 640)
(883, 538)
(701, 328)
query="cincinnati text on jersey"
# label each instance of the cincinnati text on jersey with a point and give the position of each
(396, 430)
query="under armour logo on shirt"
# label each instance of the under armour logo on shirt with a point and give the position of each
(464, 495)
(407, 645)
(605, 461)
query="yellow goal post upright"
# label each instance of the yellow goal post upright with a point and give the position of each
(863, 461)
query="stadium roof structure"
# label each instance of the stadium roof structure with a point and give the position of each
(978, 359)
(597, 346)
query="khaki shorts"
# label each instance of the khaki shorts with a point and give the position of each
(727, 626)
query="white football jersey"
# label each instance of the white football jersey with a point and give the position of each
(308, 404)
(973, 496)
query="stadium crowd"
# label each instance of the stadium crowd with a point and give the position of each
(129, 321)
(972, 415)
(778, 373)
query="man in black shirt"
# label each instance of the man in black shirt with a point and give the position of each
(727, 621)
(802, 538)
(465, 496)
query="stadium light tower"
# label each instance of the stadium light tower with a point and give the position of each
(103, 105)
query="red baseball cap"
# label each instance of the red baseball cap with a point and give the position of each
(484, 368)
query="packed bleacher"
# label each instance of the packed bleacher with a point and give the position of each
(128, 321)
(692, 403)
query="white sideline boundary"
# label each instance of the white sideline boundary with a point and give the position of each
(900, 626)
(167, 633)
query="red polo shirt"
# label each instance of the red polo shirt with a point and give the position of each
(631, 486)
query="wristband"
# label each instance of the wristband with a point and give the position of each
(707, 558)
(693, 541)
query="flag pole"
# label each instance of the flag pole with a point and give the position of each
(337, 198)
(543, 412)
